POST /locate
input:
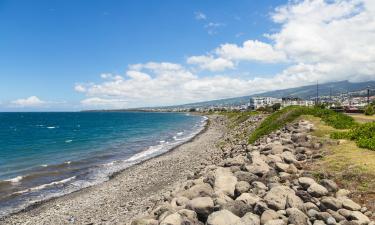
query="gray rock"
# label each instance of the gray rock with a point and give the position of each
(238, 208)
(319, 222)
(225, 181)
(222, 217)
(245, 176)
(331, 203)
(329, 184)
(331, 221)
(173, 219)
(288, 157)
(248, 198)
(190, 214)
(359, 218)
(203, 206)
(349, 204)
(317, 190)
(336, 215)
(296, 216)
(282, 167)
(198, 190)
(260, 207)
(145, 221)
(242, 187)
(276, 222)
(249, 219)
(276, 198)
(345, 213)
(258, 167)
(305, 182)
(293, 201)
(268, 215)
(310, 205)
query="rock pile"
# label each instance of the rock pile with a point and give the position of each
(260, 184)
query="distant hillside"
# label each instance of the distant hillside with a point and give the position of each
(304, 92)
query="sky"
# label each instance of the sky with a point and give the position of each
(85, 54)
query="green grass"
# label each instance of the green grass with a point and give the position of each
(281, 118)
(236, 118)
(362, 134)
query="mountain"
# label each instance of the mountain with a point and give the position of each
(304, 92)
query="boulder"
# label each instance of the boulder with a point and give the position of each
(173, 219)
(145, 221)
(276, 222)
(222, 217)
(349, 204)
(317, 190)
(359, 218)
(268, 215)
(293, 201)
(282, 167)
(288, 157)
(249, 219)
(242, 187)
(329, 184)
(276, 198)
(245, 176)
(198, 190)
(238, 208)
(203, 206)
(225, 181)
(258, 167)
(305, 182)
(296, 216)
(331, 203)
(248, 198)
(190, 214)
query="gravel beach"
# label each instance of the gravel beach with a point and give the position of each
(130, 193)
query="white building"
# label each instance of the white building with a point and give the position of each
(258, 102)
(289, 101)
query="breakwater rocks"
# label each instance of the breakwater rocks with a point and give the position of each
(259, 184)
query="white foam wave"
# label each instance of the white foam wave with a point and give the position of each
(44, 186)
(51, 127)
(68, 141)
(180, 133)
(15, 179)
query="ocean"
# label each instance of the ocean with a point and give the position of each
(46, 155)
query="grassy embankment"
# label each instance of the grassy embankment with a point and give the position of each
(346, 162)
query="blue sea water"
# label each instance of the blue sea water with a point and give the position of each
(45, 155)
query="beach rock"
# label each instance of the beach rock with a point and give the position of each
(222, 217)
(331, 203)
(288, 157)
(282, 167)
(245, 176)
(238, 208)
(225, 181)
(249, 219)
(258, 167)
(329, 184)
(293, 201)
(242, 187)
(297, 217)
(173, 219)
(299, 138)
(342, 193)
(248, 198)
(305, 182)
(276, 222)
(190, 214)
(145, 222)
(317, 190)
(203, 206)
(349, 204)
(276, 198)
(268, 215)
(359, 218)
(198, 190)
(162, 209)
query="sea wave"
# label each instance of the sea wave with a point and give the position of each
(15, 179)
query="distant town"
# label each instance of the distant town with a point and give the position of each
(351, 102)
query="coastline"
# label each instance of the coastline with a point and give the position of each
(113, 202)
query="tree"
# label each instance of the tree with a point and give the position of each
(369, 110)
(276, 106)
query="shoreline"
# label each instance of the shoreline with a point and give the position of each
(206, 137)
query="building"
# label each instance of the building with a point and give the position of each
(289, 101)
(259, 102)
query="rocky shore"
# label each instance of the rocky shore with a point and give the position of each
(260, 184)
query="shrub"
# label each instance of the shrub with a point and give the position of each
(281, 118)
(363, 135)
(369, 110)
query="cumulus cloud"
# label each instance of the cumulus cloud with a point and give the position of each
(211, 63)
(200, 16)
(31, 101)
(97, 102)
(317, 40)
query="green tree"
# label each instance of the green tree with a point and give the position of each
(369, 110)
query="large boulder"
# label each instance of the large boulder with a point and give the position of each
(248, 198)
(276, 198)
(258, 167)
(198, 190)
(238, 208)
(317, 190)
(349, 204)
(203, 206)
(305, 182)
(268, 215)
(145, 221)
(296, 216)
(173, 219)
(331, 203)
(249, 219)
(242, 187)
(222, 217)
(245, 176)
(359, 218)
(225, 181)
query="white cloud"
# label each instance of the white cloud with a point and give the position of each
(200, 16)
(104, 103)
(79, 88)
(211, 63)
(321, 40)
(250, 51)
(212, 27)
(31, 101)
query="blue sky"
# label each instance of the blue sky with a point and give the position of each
(48, 48)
